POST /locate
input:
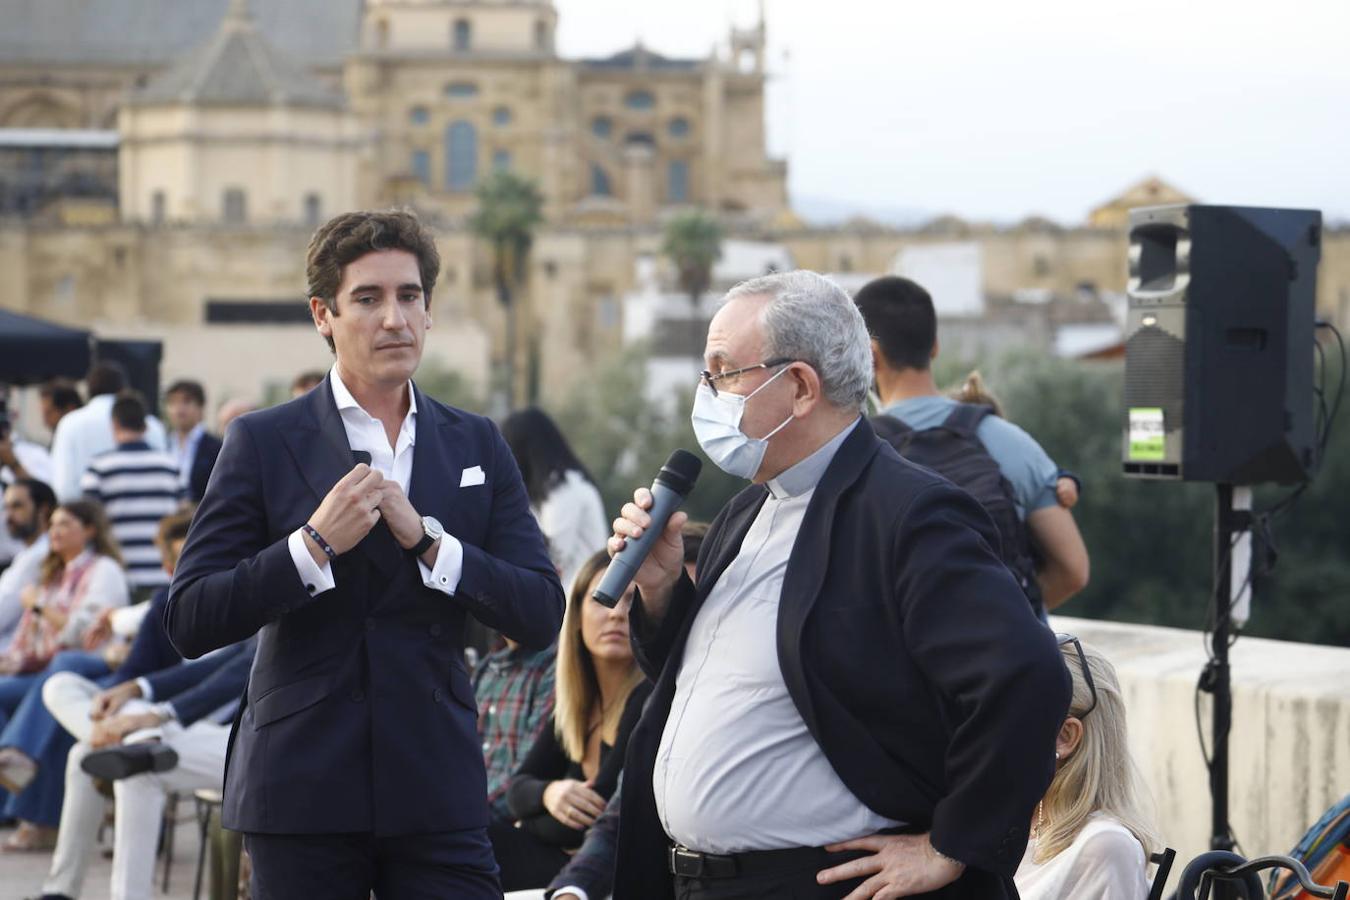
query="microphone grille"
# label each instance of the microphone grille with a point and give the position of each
(680, 471)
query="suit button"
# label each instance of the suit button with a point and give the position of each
(437, 695)
(436, 630)
(370, 624)
(358, 696)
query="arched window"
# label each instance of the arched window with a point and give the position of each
(461, 156)
(463, 35)
(602, 127)
(421, 166)
(677, 181)
(600, 186)
(501, 160)
(639, 100)
(541, 35)
(678, 127)
(501, 115)
(313, 209)
(157, 205)
(235, 206)
(419, 115)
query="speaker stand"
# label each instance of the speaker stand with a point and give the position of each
(1229, 525)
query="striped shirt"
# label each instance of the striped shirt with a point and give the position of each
(137, 486)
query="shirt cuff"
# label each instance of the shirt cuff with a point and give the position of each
(571, 889)
(147, 692)
(444, 577)
(316, 579)
(165, 711)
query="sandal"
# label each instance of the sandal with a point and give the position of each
(30, 838)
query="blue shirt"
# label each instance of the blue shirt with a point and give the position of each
(1022, 461)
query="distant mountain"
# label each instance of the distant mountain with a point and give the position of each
(830, 211)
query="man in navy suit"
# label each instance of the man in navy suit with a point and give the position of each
(355, 764)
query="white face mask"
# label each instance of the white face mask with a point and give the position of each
(717, 425)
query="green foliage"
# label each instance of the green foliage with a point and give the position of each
(510, 208)
(1150, 542)
(448, 386)
(624, 439)
(693, 241)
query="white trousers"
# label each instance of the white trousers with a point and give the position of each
(139, 799)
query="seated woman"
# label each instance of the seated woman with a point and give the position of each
(572, 769)
(80, 578)
(1091, 835)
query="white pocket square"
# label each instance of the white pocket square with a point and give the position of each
(472, 476)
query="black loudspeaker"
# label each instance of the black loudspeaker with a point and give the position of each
(1219, 344)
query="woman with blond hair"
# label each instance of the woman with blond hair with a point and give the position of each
(1091, 835)
(570, 773)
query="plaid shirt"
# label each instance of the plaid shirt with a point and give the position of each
(514, 689)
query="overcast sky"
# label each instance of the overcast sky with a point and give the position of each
(998, 110)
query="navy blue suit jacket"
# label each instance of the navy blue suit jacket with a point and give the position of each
(359, 715)
(908, 649)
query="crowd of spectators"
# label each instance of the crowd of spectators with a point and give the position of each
(93, 693)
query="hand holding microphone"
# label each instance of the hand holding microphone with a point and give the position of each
(646, 547)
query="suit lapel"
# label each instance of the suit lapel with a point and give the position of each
(736, 527)
(434, 463)
(320, 448)
(319, 442)
(810, 557)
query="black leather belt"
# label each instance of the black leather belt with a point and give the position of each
(688, 863)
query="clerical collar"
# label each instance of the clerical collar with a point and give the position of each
(806, 474)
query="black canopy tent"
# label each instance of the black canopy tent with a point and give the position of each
(33, 350)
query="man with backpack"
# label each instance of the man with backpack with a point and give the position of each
(992, 459)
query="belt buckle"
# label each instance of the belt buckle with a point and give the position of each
(685, 862)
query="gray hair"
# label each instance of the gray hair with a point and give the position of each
(812, 319)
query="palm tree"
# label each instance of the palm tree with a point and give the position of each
(693, 241)
(510, 209)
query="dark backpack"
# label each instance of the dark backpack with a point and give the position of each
(953, 451)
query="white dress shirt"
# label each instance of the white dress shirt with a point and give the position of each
(83, 434)
(184, 451)
(737, 768)
(572, 518)
(365, 432)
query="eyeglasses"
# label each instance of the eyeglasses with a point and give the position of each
(1065, 639)
(711, 380)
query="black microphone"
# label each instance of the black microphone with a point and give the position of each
(673, 483)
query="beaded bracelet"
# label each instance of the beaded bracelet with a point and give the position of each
(318, 539)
